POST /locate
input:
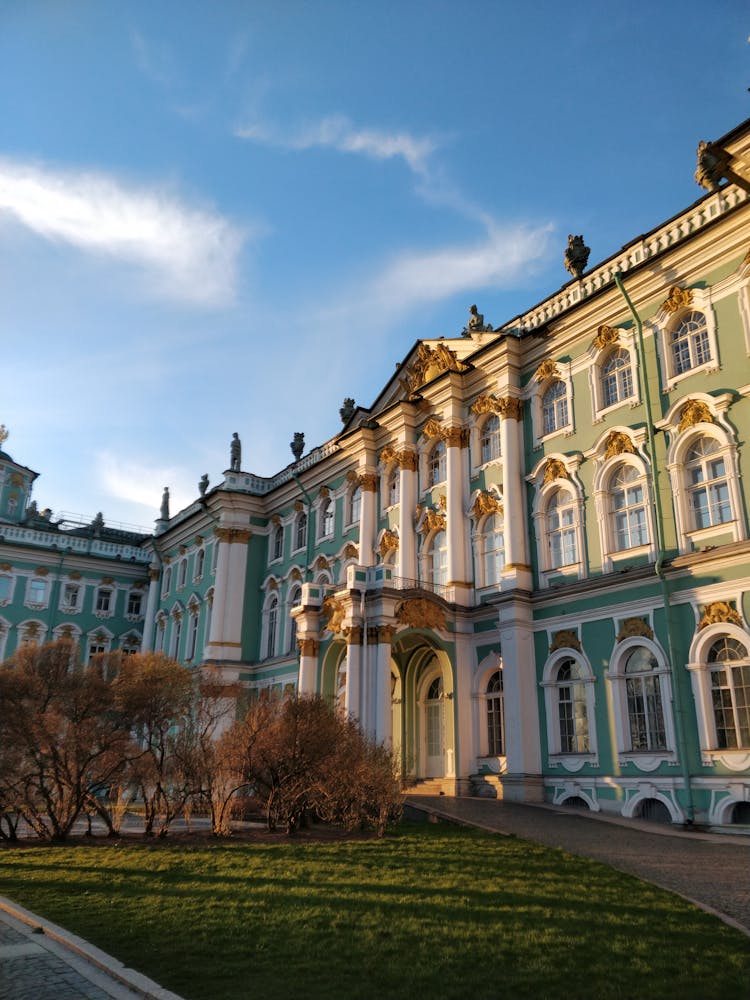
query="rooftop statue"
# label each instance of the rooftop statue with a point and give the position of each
(203, 484)
(576, 256)
(164, 511)
(347, 410)
(476, 323)
(235, 453)
(297, 445)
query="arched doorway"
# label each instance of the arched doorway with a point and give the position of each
(426, 708)
(433, 715)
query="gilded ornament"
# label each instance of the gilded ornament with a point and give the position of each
(388, 543)
(719, 611)
(333, 613)
(486, 503)
(606, 336)
(353, 635)
(432, 429)
(298, 506)
(420, 612)
(547, 370)
(75, 575)
(273, 585)
(321, 563)
(368, 482)
(308, 646)
(408, 460)
(198, 540)
(6, 567)
(485, 404)
(456, 437)
(295, 574)
(350, 551)
(183, 550)
(678, 298)
(618, 443)
(276, 520)
(43, 571)
(428, 364)
(388, 454)
(351, 477)
(232, 535)
(16, 479)
(695, 411)
(632, 627)
(177, 614)
(433, 520)
(324, 492)
(554, 469)
(107, 580)
(511, 408)
(565, 639)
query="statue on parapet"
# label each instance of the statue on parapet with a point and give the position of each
(203, 484)
(164, 510)
(576, 256)
(476, 323)
(297, 445)
(347, 410)
(235, 453)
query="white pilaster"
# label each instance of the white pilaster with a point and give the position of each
(225, 640)
(152, 601)
(407, 537)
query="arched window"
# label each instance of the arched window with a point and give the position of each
(438, 560)
(490, 439)
(182, 578)
(645, 710)
(271, 626)
(572, 714)
(689, 343)
(436, 466)
(176, 635)
(278, 542)
(730, 692)
(325, 523)
(493, 548)
(495, 716)
(616, 378)
(200, 562)
(300, 530)
(167, 580)
(192, 642)
(555, 408)
(393, 488)
(355, 505)
(561, 527)
(295, 599)
(627, 492)
(707, 484)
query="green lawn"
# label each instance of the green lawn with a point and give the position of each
(430, 912)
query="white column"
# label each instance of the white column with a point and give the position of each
(383, 713)
(353, 671)
(308, 665)
(368, 483)
(152, 601)
(457, 474)
(520, 688)
(225, 640)
(514, 508)
(407, 538)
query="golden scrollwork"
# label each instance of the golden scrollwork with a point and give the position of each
(353, 635)
(198, 540)
(606, 336)
(695, 411)
(324, 492)
(16, 479)
(511, 408)
(632, 627)
(233, 535)
(678, 298)
(75, 575)
(295, 574)
(456, 437)
(352, 478)
(433, 520)
(350, 551)
(618, 443)
(6, 567)
(298, 507)
(420, 612)
(308, 646)
(276, 520)
(273, 585)
(388, 543)
(566, 638)
(486, 503)
(719, 611)
(389, 454)
(368, 482)
(321, 563)
(428, 364)
(107, 580)
(43, 571)
(432, 429)
(554, 469)
(333, 613)
(183, 550)
(177, 614)
(546, 370)
(486, 403)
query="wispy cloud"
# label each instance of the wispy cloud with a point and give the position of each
(188, 253)
(143, 484)
(155, 60)
(337, 132)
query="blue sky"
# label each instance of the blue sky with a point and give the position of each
(228, 216)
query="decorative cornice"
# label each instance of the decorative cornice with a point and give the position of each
(486, 503)
(554, 469)
(606, 336)
(565, 639)
(678, 298)
(618, 443)
(547, 369)
(695, 411)
(718, 611)
(428, 364)
(388, 543)
(233, 535)
(632, 627)
(333, 613)
(419, 612)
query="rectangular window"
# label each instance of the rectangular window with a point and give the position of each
(37, 592)
(134, 603)
(5, 588)
(104, 599)
(71, 595)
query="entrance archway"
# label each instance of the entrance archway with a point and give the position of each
(427, 707)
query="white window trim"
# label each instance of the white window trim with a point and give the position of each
(132, 616)
(5, 601)
(37, 605)
(578, 569)
(565, 375)
(664, 323)
(272, 557)
(109, 613)
(475, 438)
(569, 761)
(387, 472)
(625, 342)
(5, 627)
(700, 676)
(71, 609)
(266, 623)
(478, 537)
(425, 456)
(644, 760)
(297, 517)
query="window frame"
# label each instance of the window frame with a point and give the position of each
(617, 677)
(667, 323)
(551, 684)
(34, 582)
(734, 759)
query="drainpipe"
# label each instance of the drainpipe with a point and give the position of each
(677, 699)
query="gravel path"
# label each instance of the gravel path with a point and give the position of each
(712, 870)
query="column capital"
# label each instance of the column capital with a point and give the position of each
(232, 535)
(353, 635)
(308, 646)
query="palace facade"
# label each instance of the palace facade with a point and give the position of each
(525, 566)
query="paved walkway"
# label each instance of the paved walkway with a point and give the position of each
(41, 961)
(712, 870)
